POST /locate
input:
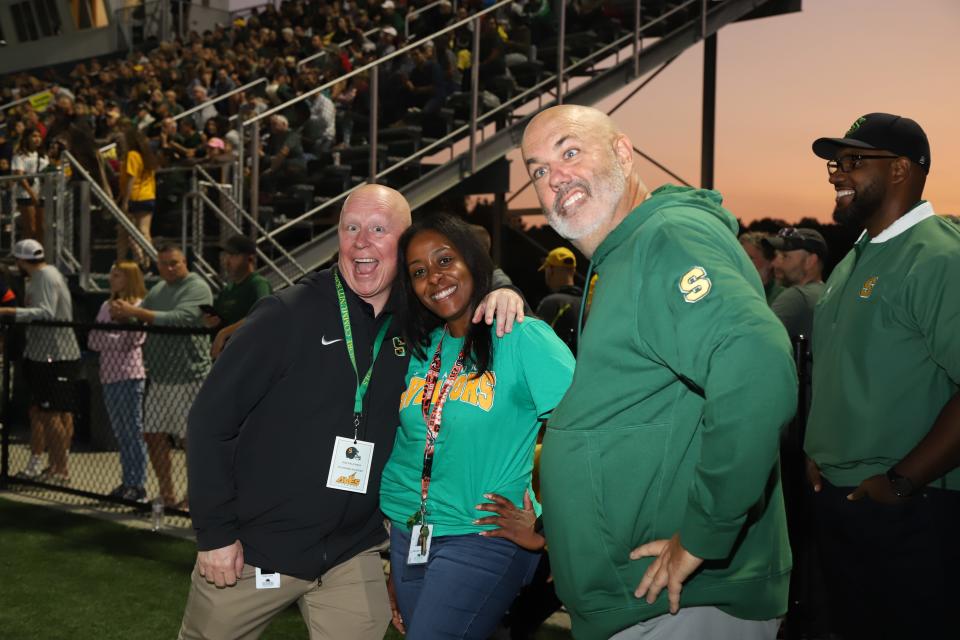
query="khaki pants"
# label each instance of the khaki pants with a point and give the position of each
(350, 601)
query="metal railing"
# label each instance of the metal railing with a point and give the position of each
(324, 53)
(373, 68)
(208, 181)
(219, 98)
(19, 101)
(475, 124)
(474, 129)
(107, 202)
(408, 18)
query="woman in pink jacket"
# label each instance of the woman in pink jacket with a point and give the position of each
(123, 377)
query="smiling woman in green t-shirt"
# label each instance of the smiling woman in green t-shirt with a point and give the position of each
(475, 435)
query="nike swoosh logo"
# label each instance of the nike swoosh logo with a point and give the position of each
(325, 342)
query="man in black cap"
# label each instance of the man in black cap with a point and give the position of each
(883, 435)
(237, 259)
(798, 266)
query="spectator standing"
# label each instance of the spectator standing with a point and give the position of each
(883, 436)
(323, 122)
(138, 194)
(798, 267)
(286, 163)
(176, 364)
(561, 308)
(653, 449)
(762, 258)
(245, 286)
(482, 427)
(200, 117)
(29, 158)
(275, 403)
(223, 85)
(123, 378)
(51, 363)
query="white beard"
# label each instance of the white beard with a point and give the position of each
(608, 190)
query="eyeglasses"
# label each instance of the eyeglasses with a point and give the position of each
(846, 164)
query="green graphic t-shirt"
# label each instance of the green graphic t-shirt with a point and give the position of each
(488, 432)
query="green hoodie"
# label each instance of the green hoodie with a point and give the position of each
(672, 423)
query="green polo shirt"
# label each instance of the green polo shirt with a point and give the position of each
(236, 299)
(886, 357)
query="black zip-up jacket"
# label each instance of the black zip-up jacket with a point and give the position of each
(261, 432)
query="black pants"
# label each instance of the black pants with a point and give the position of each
(892, 571)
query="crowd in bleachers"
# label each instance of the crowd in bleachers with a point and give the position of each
(165, 89)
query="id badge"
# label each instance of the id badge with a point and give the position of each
(267, 580)
(350, 465)
(421, 535)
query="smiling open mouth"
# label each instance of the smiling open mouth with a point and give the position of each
(569, 197)
(443, 294)
(364, 266)
(843, 193)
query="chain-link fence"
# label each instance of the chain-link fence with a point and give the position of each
(100, 410)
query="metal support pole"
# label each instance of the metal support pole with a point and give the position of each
(637, 41)
(184, 222)
(703, 20)
(255, 173)
(499, 213)
(198, 229)
(238, 166)
(708, 131)
(59, 218)
(7, 410)
(561, 45)
(474, 95)
(374, 123)
(164, 23)
(83, 193)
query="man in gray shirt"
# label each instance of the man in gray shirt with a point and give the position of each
(798, 266)
(176, 364)
(51, 363)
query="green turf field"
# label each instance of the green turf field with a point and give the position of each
(76, 577)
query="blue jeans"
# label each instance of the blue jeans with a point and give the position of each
(124, 401)
(463, 590)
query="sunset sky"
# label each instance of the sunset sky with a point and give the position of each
(784, 81)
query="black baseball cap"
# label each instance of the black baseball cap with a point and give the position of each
(793, 238)
(881, 131)
(239, 245)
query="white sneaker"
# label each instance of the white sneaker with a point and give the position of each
(33, 468)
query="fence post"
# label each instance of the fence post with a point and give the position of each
(5, 411)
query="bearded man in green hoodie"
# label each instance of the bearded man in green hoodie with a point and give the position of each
(660, 466)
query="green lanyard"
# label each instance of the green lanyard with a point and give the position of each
(348, 338)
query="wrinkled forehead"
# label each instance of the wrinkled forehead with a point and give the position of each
(366, 209)
(550, 132)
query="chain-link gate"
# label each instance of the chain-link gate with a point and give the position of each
(108, 426)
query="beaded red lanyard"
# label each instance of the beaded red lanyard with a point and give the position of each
(432, 420)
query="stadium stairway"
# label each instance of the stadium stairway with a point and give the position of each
(588, 72)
